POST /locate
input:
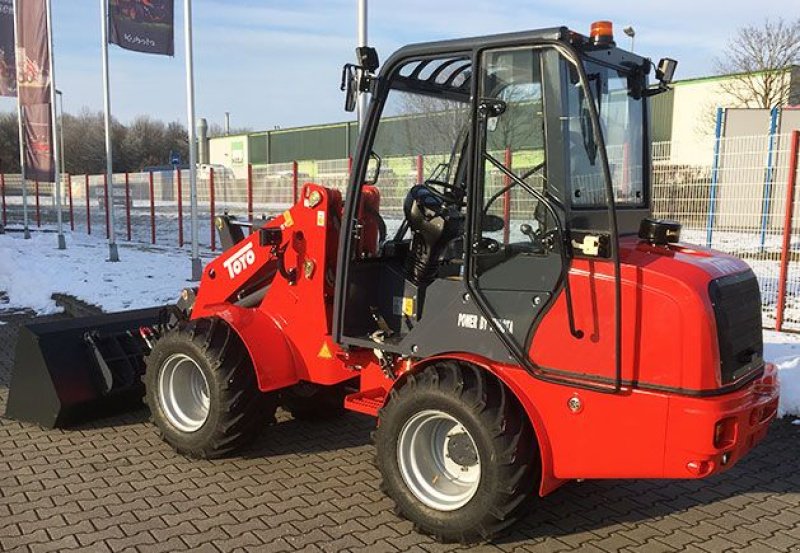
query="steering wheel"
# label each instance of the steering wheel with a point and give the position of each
(449, 195)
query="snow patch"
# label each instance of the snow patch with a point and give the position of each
(32, 270)
(783, 349)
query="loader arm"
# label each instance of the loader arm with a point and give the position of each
(275, 289)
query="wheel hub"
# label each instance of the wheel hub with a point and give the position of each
(438, 460)
(183, 392)
(461, 450)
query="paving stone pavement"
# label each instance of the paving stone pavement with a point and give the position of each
(114, 486)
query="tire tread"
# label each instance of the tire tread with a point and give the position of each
(243, 410)
(511, 435)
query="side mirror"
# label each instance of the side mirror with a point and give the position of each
(349, 86)
(665, 70)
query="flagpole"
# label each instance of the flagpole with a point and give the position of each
(62, 243)
(27, 232)
(113, 253)
(197, 266)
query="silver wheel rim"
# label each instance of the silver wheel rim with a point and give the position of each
(183, 392)
(438, 460)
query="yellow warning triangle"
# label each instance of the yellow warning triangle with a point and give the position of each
(325, 352)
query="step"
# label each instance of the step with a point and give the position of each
(368, 402)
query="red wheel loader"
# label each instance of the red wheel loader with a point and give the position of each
(513, 321)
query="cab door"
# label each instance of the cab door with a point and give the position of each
(517, 262)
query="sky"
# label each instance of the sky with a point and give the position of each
(278, 62)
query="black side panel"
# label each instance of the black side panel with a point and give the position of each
(737, 308)
(57, 379)
(452, 322)
(374, 285)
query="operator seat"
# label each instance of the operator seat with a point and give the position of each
(434, 224)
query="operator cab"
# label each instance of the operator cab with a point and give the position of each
(492, 163)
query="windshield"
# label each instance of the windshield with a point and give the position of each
(622, 121)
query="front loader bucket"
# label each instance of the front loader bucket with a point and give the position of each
(74, 370)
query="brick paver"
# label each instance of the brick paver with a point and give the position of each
(113, 485)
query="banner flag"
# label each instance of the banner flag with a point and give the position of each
(39, 163)
(8, 71)
(33, 54)
(143, 25)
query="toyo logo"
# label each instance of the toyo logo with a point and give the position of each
(240, 260)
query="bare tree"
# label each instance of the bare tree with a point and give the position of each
(761, 57)
(9, 143)
(429, 125)
(145, 142)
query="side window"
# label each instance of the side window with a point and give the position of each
(621, 118)
(515, 138)
(422, 132)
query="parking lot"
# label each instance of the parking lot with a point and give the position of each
(113, 485)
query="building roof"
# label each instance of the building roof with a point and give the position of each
(711, 78)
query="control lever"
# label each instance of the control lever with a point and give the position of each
(541, 244)
(527, 230)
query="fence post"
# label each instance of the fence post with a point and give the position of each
(105, 195)
(128, 205)
(791, 184)
(295, 191)
(250, 192)
(507, 199)
(88, 206)
(766, 200)
(712, 204)
(38, 212)
(211, 207)
(420, 169)
(180, 210)
(3, 194)
(152, 211)
(69, 195)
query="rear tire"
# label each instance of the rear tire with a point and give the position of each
(202, 391)
(457, 453)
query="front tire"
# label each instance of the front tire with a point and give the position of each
(202, 391)
(457, 453)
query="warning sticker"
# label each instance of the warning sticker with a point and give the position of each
(403, 306)
(325, 352)
(321, 218)
(287, 220)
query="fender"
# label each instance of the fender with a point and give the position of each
(274, 362)
(505, 374)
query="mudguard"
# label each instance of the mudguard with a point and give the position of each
(512, 377)
(274, 361)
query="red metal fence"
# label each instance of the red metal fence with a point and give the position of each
(724, 203)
